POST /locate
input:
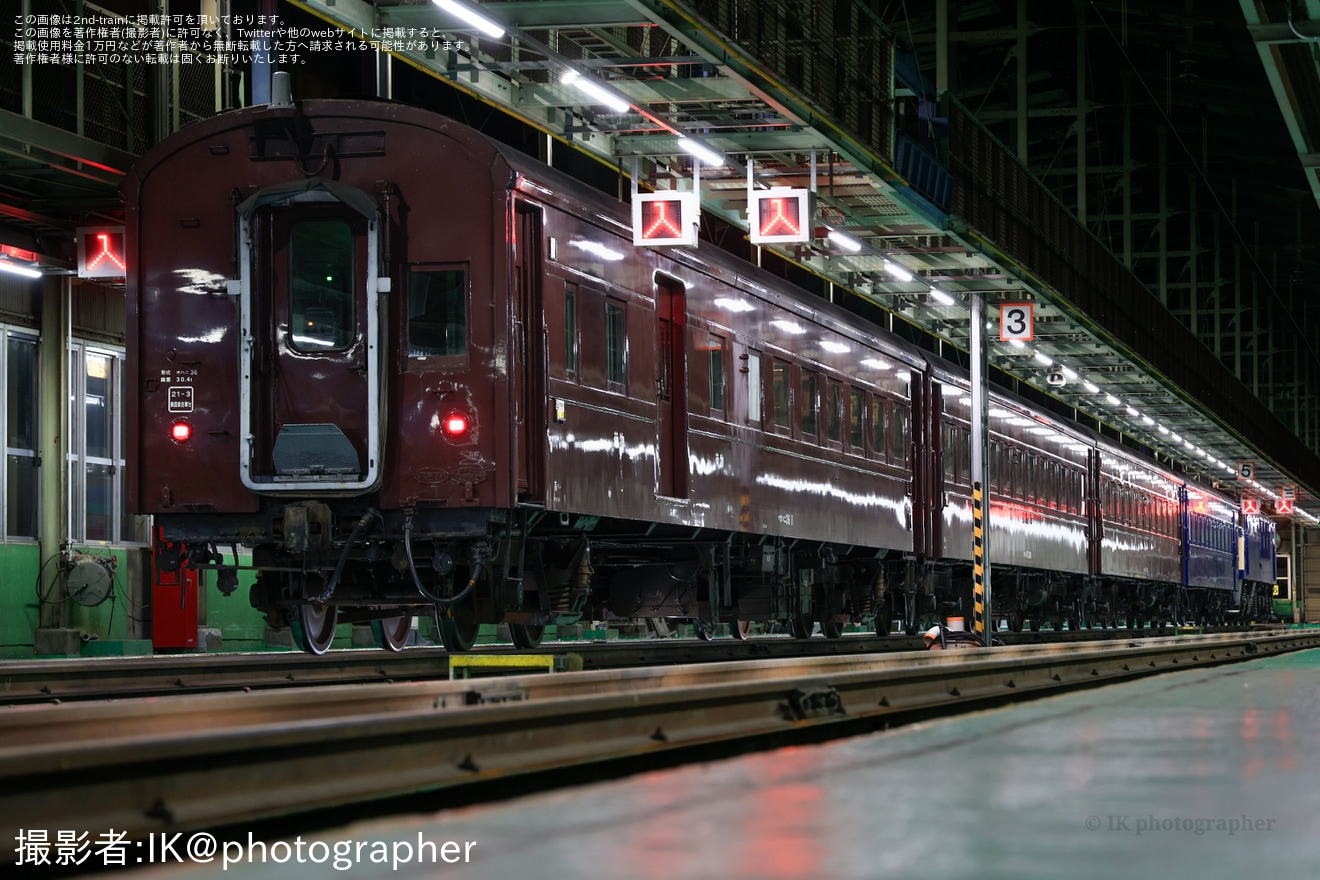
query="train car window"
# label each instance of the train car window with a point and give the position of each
(809, 402)
(321, 285)
(949, 451)
(965, 455)
(570, 329)
(834, 416)
(898, 448)
(437, 312)
(716, 361)
(856, 424)
(615, 344)
(783, 413)
(754, 390)
(877, 421)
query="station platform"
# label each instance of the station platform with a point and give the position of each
(1206, 773)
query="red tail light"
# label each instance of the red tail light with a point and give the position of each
(180, 431)
(456, 426)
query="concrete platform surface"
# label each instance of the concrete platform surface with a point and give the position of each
(1205, 773)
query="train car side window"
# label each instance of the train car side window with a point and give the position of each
(878, 438)
(716, 360)
(616, 362)
(834, 415)
(754, 390)
(570, 329)
(856, 425)
(965, 455)
(949, 451)
(321, 285)
(783, 412)
(808, 402)
(898, 451)
(437, 313)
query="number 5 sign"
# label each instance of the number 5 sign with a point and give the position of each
(1015, 321)
(1246, 470)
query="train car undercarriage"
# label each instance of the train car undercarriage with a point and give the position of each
(529, 568)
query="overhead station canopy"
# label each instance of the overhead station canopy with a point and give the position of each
(914, 202)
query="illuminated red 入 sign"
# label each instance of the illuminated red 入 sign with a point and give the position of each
(101, 253)
(1283, 505)
(779, 215)
(662, 219)
(1250, 506)
(667, 218)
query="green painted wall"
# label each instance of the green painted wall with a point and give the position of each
(18, 598)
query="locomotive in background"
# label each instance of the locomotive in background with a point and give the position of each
(417, 372)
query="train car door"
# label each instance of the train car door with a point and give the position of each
(309, 312)
(531, 357)
(671, 388)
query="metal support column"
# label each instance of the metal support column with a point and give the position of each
(983, 618)
(54, 420)
(1021, 71)
(1080, 10)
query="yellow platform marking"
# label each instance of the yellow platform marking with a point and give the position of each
(500, 661)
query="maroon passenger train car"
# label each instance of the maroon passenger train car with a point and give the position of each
(417, 372)
(408, 367)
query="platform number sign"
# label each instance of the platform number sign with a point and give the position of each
(1016, 321)
(101, 253)
(1246, 470)
(1288, 491)
(665, 219)
(779, 215)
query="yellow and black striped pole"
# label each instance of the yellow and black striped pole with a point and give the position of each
(982, 618)
(978, 560)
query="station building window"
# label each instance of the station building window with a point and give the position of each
(97, 511)
(22, 474)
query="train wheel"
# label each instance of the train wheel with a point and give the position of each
(525, 635)
(316, 627)
(831, 629)
(741, 630)
(704, 634)
(1035, 624)
(458, 628)
(800, 626)
(392, 632)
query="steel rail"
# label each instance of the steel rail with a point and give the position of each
(40, 681)
(205, 761)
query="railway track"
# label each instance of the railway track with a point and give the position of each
(206, 761)
(43, 681)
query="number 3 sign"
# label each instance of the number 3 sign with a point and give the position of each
(1015, 321)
